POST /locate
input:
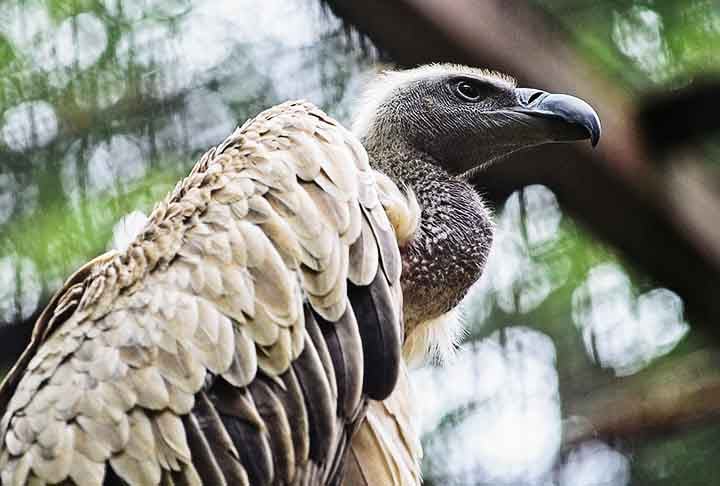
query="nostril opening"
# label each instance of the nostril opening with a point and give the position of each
(534, 96)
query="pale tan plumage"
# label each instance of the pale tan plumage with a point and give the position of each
(386, 448)
(251, 334)
(216, 311)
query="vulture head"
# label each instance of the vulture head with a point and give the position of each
(428, 129)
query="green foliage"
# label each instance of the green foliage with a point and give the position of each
(644, 44)
(80, 231)
(106, 103)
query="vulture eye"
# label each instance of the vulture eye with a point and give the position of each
(468, 91)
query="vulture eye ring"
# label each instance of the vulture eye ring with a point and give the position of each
(468, 91)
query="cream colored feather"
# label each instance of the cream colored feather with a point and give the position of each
(214, 284)
(386, 449)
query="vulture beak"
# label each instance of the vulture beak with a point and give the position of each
(565, 117)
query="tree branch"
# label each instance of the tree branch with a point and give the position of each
(680, 393)
(616, 190)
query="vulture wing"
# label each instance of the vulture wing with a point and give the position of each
(236, 341)
(386, 448)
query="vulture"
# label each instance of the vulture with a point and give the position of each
(258, 329)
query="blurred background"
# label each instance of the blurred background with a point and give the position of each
(592, 354)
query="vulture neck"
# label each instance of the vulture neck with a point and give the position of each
(447, 253)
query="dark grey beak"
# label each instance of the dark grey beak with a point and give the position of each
(576, 120)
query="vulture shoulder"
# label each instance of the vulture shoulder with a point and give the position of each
(238, 339)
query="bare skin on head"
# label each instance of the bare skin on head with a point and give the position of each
(428, 129)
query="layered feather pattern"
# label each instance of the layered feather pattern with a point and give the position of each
(237, 340)
(386, 448)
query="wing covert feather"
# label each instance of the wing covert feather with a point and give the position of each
(386, 449)
(224, 345)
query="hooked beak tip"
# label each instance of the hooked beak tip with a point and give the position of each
(573, 111)
(595, 136)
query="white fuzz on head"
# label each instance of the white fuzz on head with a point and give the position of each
(127, 229)
(435, 340)
(385, 84)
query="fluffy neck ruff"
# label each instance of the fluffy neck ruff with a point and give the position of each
(447, 252)
(445, 255)
(435, 340)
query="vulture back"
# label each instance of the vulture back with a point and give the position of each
(237, 340)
